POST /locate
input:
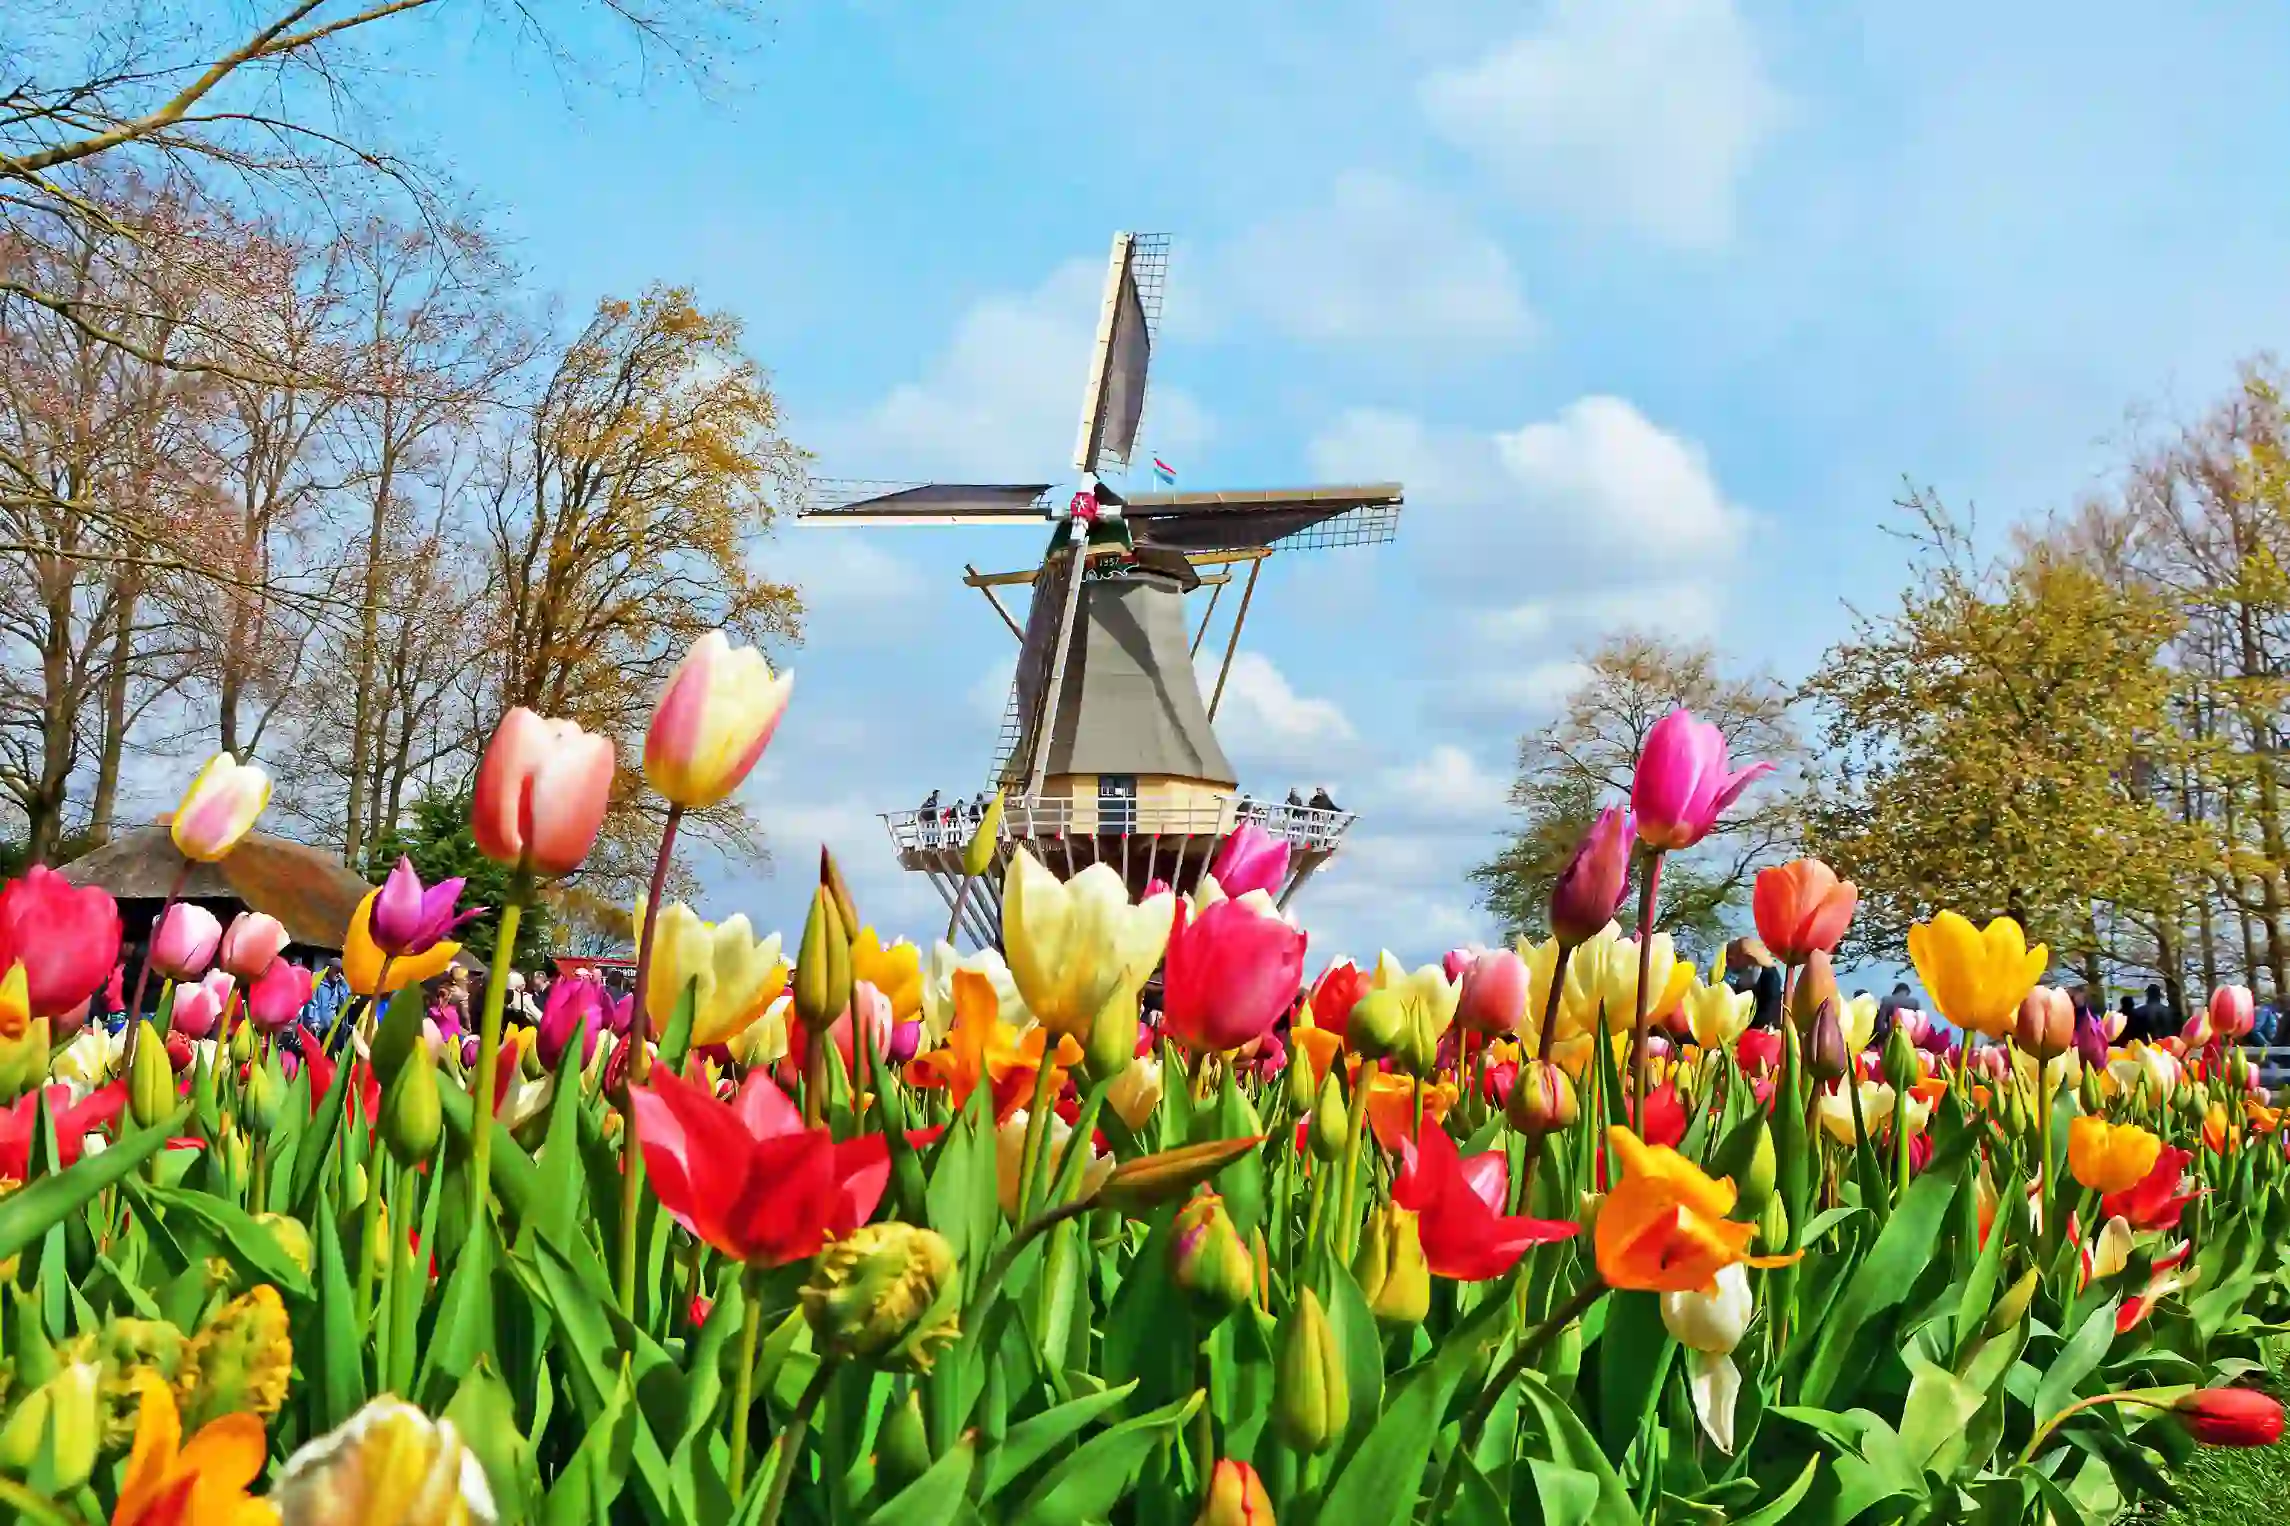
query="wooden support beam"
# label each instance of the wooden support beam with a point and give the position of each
(977, 579)
(997, 603)
(1209, 614)
(1247, 593)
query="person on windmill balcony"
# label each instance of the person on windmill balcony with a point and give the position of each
(926, 820)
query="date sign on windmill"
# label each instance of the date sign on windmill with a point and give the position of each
(1108, 753)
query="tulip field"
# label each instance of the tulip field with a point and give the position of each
(1155, 1217)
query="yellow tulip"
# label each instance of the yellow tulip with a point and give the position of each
(1836, 1112)
(1074, 944)
(738, 975)
(895, 971)
(1718, 1014)
(1977, 978)
(219, 808)
(362, 958)
(2110, 1157)
(714, 719)
(388, 1463)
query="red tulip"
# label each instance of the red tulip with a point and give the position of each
(1802, 907)
(2231, 1417)
(1758, 1049)
(1459, 1209)
(541, 793)
(74, 1122)
(2155, 1201)
(250, 943)
(1229, 975)
(1336, 993)
(747, 1176)
(66, 937)
(179, 1053)
(1665, 1115)
(365, 1087)
(278, 995)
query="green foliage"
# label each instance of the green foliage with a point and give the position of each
(435, 835)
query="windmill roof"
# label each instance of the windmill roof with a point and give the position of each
(309, 890)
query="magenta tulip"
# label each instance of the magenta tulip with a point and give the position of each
(1229, 974)
(575, 1003)
(250, 944)
(199, 1006)
(1251, 859)
(1590, 888)
(1682, 786)
(2233, 1012)
(276, 997)
(1457, 962)
(409, 919)
(185, 943)
(1493, 1000)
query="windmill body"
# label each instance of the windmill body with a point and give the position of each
(1108, 752)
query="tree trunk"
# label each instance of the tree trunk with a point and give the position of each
(117, 679)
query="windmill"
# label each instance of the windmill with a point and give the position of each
(1107, 752)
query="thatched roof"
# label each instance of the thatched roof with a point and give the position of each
(307, 889)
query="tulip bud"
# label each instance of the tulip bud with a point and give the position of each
(886, 1294)
(2009, 1308)
(1211, 1263)
(57, 1423)
(902, 1455)
(2230, 1417)
(1901, 1070)
(263, 1099)
(1773, 1227)
(1816, 983)
(1747, 1156)
(978, 853)
(1236, 1497)
(2087, 1090)
(1390, 1268)
(1378, 1025)
(1311, 1403)
(1825, 1057)
(411, 1120)
(1542, 1100)
(150, 1079)
(2091, 1044)
(1589, 890)
(1300, 1085)
(1331, 1128)
(823, 966)
(2046, 1024)
(1112, 1041)
(291, 1235)
(831, 880)
(242, 1042)
(1711, 1322)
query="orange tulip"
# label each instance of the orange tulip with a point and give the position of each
(201, 1483)
(2110, 1157)
(1802, 908)
(1391, 1106)
(981, 1047)
(2215, 1133)
(1664, 1228)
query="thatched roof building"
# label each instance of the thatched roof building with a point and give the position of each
(309, 890)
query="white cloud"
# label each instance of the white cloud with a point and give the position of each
(1448, 784)
(1642, 112)
(1002, 401)
(1603, 463)
(1380, 260)
(1264, 720)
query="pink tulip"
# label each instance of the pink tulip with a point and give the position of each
(1229, 974)
(2233, 1011)
(869, 1006)
(541, 793)
(1682, 786)
(198, 1008)
(186, 941)
(1590, 888)
(1153, 887)
(409, 920)
(251, 943)
(1457, 961)
(575, 1004)
(277, 996)
(715, 717)
(1494, 996)
(1251, 859)
(2197, 1031)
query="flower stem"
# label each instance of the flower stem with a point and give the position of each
(143, 972)
(2044, 1431)
(636, 1071)
(790, 1443)
(1346, 1224)
(1037, 1129)
(1648, 891)
(489, 1055)
(743, 1385)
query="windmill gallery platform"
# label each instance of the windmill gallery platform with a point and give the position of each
(1108, 753)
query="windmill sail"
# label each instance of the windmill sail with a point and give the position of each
(1113, 402)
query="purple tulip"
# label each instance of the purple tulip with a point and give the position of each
(1591, 887)
(2090, 1043)
(1251, 859)
(573, 1004)
(906, 1038)
(410, 920)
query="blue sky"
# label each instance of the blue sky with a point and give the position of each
(1651, 304)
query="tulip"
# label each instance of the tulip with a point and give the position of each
(735, 975)
(1458, 1206)
(1236, 1497)
(1836, 1111)
(1590, 889)
(1681, 785)
(1978, 978)
(880, 1296)
(1397, 1103)
(150, 1079)
(895, 971)
(250, 943)
(2090, 1044)
(169, 1481)
(2156, 1201)
(980, 1048)
(1603, 976)
(186, 941)
(74, 1122)
(199, 1007)
(23, 1038)
(541, 793)
(1136, 1092)
(389, 1461)
(575, 1004)
(364, 964)
(1208, 1261)
(2046, 1024)
(1251, 859)
(1825, 1056)
(1311, 1399)
(714, 719)
(906, 1041)
(61, 1418)
(868, 1007)
(1802, 907)
(2233, 1012)
(2110, 1157)
(219, 808)
(1057, 1137)
(1718, 1014)
(277, 996)
(408, 921)
(1493, 996)
(1542, 1100)
(2230, 1417)
(1391, 1270)
(746, 1176)
(1231, 973)
(1073, 946)
(66, 938)
(411, 1116)
(1664, 1226)
(1815, 988)
(938, 989)
(1665, 1115)
(1709, 1325)
(1334, 994)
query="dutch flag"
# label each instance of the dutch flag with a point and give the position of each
(1164, 473)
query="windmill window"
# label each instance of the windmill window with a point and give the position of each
(1117, 802)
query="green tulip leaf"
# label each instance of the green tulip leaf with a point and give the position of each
(1085, 1486)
